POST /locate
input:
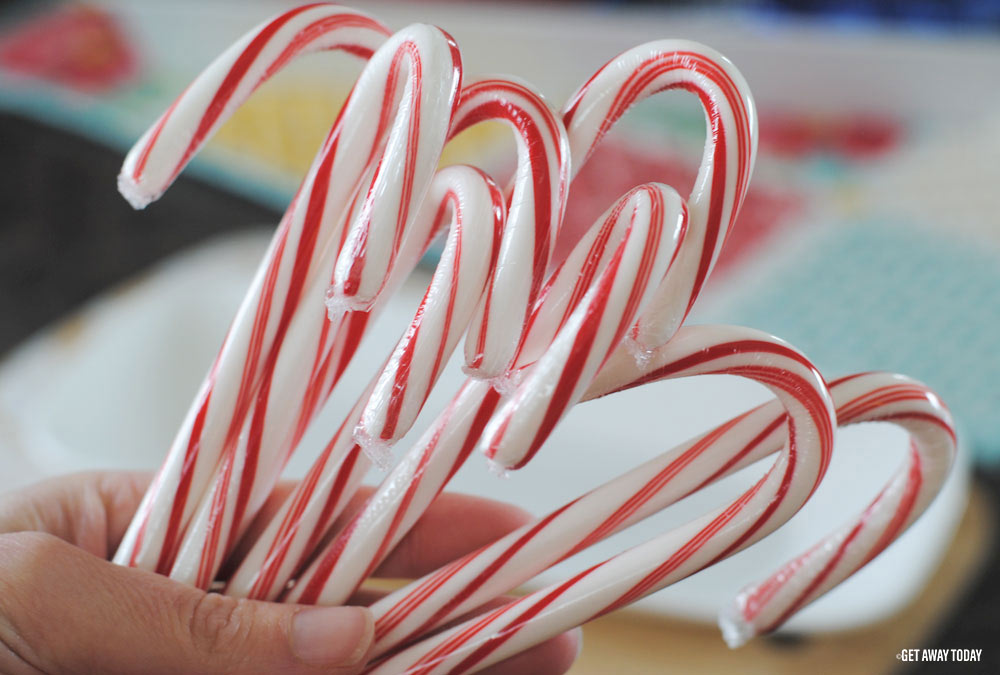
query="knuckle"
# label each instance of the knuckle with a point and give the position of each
(219, 624)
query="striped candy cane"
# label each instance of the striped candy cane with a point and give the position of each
(521, 426)
(392, 80)
(866, 397)
(537, 201)
(177, 136)
(467, 584)
(727, 162)
(536, 206)
(228, 391)
(613, 267)
(476, 207)
(294, 372)
(678, 553)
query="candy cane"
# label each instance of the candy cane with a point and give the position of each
(477, 212)
(727, 162)
(521, 426)
(155, 532)
(537, 202)
(867, 397)
(467, 584)
(177, 136)
(680, 552)
(644, 229)
(338, 172)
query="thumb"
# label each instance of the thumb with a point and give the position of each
(63, 610)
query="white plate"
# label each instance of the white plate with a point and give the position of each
(108, 387)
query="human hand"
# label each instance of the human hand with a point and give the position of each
(65, 609)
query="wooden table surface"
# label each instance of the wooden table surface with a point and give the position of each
(633, 643)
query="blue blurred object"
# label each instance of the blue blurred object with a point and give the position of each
(877, 295)
(975, 14)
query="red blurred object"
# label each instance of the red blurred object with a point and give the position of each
(616, 167)
(79, 47)
(856, 136)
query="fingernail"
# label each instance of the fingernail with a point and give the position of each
(332, 636)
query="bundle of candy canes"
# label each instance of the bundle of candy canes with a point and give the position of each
(540, 336)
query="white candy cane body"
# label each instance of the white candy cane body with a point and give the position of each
(177, 136)
(371, 534)
(500, 633)
(727, 162)
(413, 123)
(593, 299)
(520, 427)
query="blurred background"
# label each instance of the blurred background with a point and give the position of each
(870, 238)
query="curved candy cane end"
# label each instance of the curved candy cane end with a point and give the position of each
(640, 352)
(506, 383)
(498, 469)
(736, 630)
(133, 192)
(338, 305)
(379, 451)
(478, 369)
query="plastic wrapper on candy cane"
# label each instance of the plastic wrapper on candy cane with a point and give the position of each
(607, 318)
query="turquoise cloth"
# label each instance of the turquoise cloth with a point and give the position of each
(883, 296)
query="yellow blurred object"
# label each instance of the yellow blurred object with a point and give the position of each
(284, 123)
